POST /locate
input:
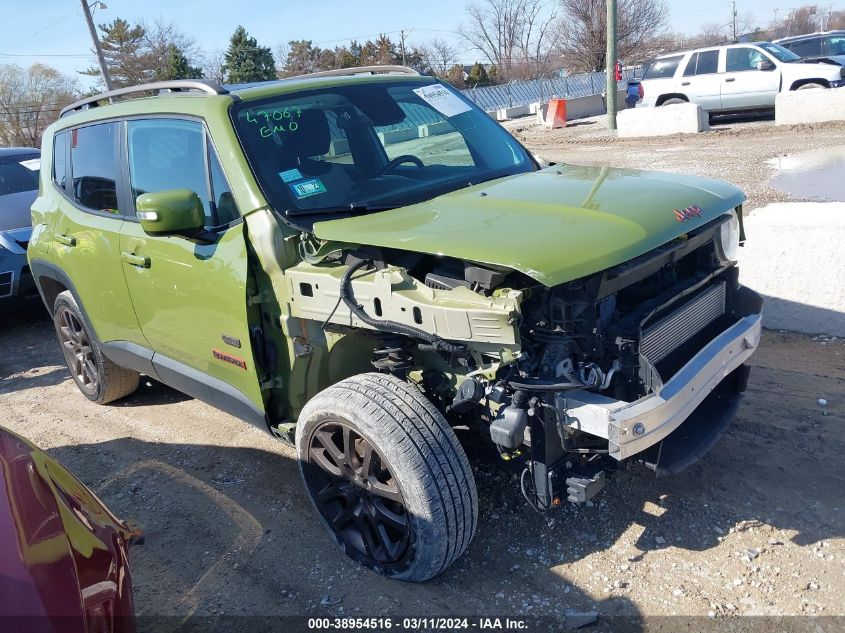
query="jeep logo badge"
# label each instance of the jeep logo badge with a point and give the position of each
(685, 214)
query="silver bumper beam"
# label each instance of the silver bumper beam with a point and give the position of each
(631, 427)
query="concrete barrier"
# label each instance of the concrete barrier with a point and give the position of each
(505, 114)
(683, 118)
(398, 136)
(434, 129)
(794, 258)
(810, 106)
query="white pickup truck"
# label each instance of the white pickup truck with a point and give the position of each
(733, 78)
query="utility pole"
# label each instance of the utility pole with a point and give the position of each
(402, 33)
(610, 69)
(733, 18)
(103, 68)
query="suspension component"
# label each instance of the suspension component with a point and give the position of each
(395, 357)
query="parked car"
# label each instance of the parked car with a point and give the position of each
(360, 260)
(64, 555)
(827, 46)
(19, 168)
(733, 78)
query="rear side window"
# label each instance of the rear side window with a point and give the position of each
(807, 48)
(663, 67)
(93, 166)
(60, 159)
(708, 63)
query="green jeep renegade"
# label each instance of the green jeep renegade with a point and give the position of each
(364, 263)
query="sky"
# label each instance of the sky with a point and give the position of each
(53, 32)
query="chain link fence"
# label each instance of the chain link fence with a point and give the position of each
(520, 93)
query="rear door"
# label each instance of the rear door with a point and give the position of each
(700, 81)
(86, 232)
(190, 297)
(744, 86)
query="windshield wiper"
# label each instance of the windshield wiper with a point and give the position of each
(349, 208)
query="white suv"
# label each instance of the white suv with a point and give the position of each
(734, 77)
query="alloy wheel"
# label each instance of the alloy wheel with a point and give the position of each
(78, 351)
(355, 491)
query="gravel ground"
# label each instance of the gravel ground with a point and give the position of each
(756, 528)
(736, 151)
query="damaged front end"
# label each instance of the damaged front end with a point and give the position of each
(642, 361)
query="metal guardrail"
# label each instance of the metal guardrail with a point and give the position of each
(520, 93)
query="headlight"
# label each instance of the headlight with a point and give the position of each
(729, 237)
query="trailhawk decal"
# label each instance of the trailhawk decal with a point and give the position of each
(228, 358)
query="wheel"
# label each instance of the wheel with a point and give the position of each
(810, 86)
(387, 476)
(673, 101)
(98, 378)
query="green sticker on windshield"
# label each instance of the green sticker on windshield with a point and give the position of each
(306, 188)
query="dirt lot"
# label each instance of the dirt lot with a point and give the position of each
(757, 527)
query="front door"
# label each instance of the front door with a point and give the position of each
(190, 297)
(744, 86)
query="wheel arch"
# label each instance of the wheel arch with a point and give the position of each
(671, 95)
(803, 82)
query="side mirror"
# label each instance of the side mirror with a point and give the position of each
(171, 212)
(766, 64)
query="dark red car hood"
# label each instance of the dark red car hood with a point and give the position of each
(64, 564)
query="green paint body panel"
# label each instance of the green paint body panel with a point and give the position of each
(179, 298)
(554, 225)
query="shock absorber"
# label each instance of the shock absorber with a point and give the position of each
(395, 356)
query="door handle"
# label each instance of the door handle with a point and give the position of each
(685, 83)
(730, 79)
(67, 240)
(135, 260)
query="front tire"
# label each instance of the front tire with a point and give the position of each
(99, 379)
(673, 101)
(387, 476)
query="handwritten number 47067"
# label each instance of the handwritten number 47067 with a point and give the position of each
(265, 116)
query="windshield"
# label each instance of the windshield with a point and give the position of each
(371, 146)
(779, 52)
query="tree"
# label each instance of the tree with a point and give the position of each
(477, 75)
(441, 56)
(123, 48)
(455, 76)
(301, 58)
(177, 66)
(515, 35)
(140, 53)
(246, 61)
(582, 33)
(30, 100)
(213, 65)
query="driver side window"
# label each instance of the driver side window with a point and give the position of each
(171, 154)
(742, 59)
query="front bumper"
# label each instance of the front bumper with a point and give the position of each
(632, 427)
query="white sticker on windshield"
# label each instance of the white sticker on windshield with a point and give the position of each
(33, 164)
(442, 100)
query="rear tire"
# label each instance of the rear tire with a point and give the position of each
(99, 379)
(387, 476)
(811, 86)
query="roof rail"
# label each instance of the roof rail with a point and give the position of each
(176, 85)
(360, 70)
